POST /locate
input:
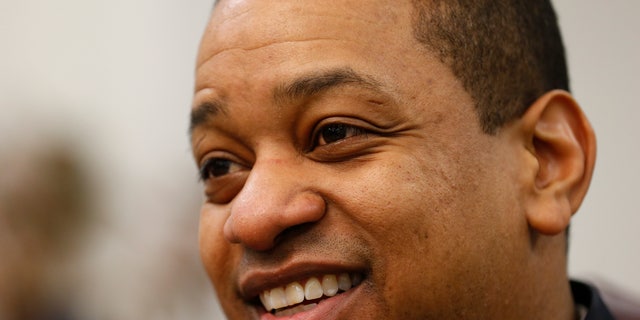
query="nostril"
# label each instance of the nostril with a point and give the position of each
(262, 215)
(248, 232)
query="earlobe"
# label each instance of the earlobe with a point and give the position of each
(563, 144)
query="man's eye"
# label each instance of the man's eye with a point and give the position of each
(217, 167)
(335, 132)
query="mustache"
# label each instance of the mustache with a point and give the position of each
(305, 241)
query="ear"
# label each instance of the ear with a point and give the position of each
(561, 140)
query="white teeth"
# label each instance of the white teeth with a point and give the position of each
(278, 298)
(344, 282)
(313, 289)
(294, 293)
(330, 285)
(265, 298)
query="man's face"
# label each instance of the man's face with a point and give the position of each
(331, 143)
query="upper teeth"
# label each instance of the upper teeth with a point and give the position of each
(314, 288)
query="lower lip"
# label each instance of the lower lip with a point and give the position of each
(326, 309)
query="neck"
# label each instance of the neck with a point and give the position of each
(551, 294)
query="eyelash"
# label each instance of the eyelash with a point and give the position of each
(349, 131)
(207, 168)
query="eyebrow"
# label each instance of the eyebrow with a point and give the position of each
(303, 87)
(319, 82)
(204, 111)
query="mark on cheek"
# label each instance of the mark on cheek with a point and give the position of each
(278, 162)
(438, 118)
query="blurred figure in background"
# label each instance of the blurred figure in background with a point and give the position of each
(43, 212)
(68, 253)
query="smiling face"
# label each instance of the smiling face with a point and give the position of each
(337, 152)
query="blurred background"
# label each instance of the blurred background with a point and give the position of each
(94, 156)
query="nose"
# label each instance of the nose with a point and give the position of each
(277, 195)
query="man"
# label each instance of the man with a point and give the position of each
(387, 159)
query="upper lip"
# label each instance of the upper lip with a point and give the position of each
(256, 280)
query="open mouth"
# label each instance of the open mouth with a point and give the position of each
(301, 296)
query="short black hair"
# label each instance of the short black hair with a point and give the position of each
(507, 53)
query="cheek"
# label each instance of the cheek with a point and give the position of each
(220, 259)
(399, 199)
(400, 204)
(217, 254)
(405, 208)
(430, 222)
(210, 236)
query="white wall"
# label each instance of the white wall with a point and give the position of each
(116, 77)
(603, 44)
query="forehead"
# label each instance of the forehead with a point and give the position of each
(253, 24)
